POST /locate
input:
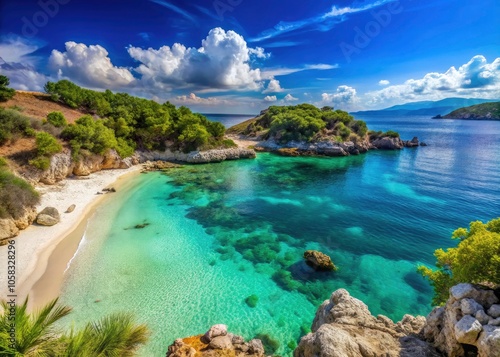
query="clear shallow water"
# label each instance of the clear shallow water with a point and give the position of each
(219, 233)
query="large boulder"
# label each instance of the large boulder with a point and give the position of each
(388, 143)
(465, 322)
(318, 260)
(344, 327)
(48, 217)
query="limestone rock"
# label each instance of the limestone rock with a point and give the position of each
(494, 311)
(216, 342)
(412, 143)
(48, 217)
(344, 327)
(71, 208)
(218, 155)
(388, 143)
(318, 260)
(467, 330)
(470, 306)
(464, 320)
(8, 228)
(221, 343)
(489, 341)
(215, 331)
(482, 317)
(256, 347)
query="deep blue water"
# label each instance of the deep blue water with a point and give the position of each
(229, 120)
(222, 232)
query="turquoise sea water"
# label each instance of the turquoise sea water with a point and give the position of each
(222, 232)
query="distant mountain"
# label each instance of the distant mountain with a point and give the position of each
(485, 111)
(439, 107)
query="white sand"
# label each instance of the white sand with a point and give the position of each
(35, 244)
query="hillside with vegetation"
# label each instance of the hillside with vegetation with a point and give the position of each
(305, 122)
(485, 111)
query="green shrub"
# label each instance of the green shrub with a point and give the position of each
(57, 119)
(12, 123)
(42, 163)
(15, 193)
(5, 92)
(47, 145)
(392, 134)
(476, 259)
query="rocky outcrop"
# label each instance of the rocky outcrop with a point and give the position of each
(388, 143)
(48, 217)
(62, 165)
(202, 157)
(216, 342)
(344, 327)
(413, 143)
(321, 148)
(318, 260)
(10, 226)
(468, 323)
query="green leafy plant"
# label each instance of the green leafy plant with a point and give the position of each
(57, 119)
(5, 92)
(476, 259)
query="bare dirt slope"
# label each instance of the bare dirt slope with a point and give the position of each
(38, 105)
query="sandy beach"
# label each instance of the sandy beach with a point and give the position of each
(39, 272)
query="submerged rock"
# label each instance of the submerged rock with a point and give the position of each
(48, 217)
(71, 208)
(318, 260)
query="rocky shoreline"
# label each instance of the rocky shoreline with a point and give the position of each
(335, 149)
(468, 325)
(63, 166)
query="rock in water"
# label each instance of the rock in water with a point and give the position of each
(318, 260)
(71, 208)
(48, 217)
(344, 327)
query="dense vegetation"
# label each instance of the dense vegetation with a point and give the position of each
(46, 146)
(13, 125)
(133, 122)
(15, 193)
(36, 335)
(480, 111)
(5, 92)
(476, 259)
(305, 122)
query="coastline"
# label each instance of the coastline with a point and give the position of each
(42, 253)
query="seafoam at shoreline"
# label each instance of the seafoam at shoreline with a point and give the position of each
(34, 245)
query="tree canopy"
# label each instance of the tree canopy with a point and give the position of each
(476, 259)
(134, 122)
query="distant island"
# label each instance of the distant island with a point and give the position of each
(485, 111)
(439, 107)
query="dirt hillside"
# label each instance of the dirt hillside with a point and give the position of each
(38, 105)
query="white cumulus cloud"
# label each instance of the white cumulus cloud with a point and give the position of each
(223, 62)
(384, 82)
(477, 78)
(270, 98)
(343, 95)
(90, 66)
(290, 98)
(193, 99)
(274, 86)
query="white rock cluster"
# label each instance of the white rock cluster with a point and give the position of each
(470, 321)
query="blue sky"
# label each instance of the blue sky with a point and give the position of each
(240, 56)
